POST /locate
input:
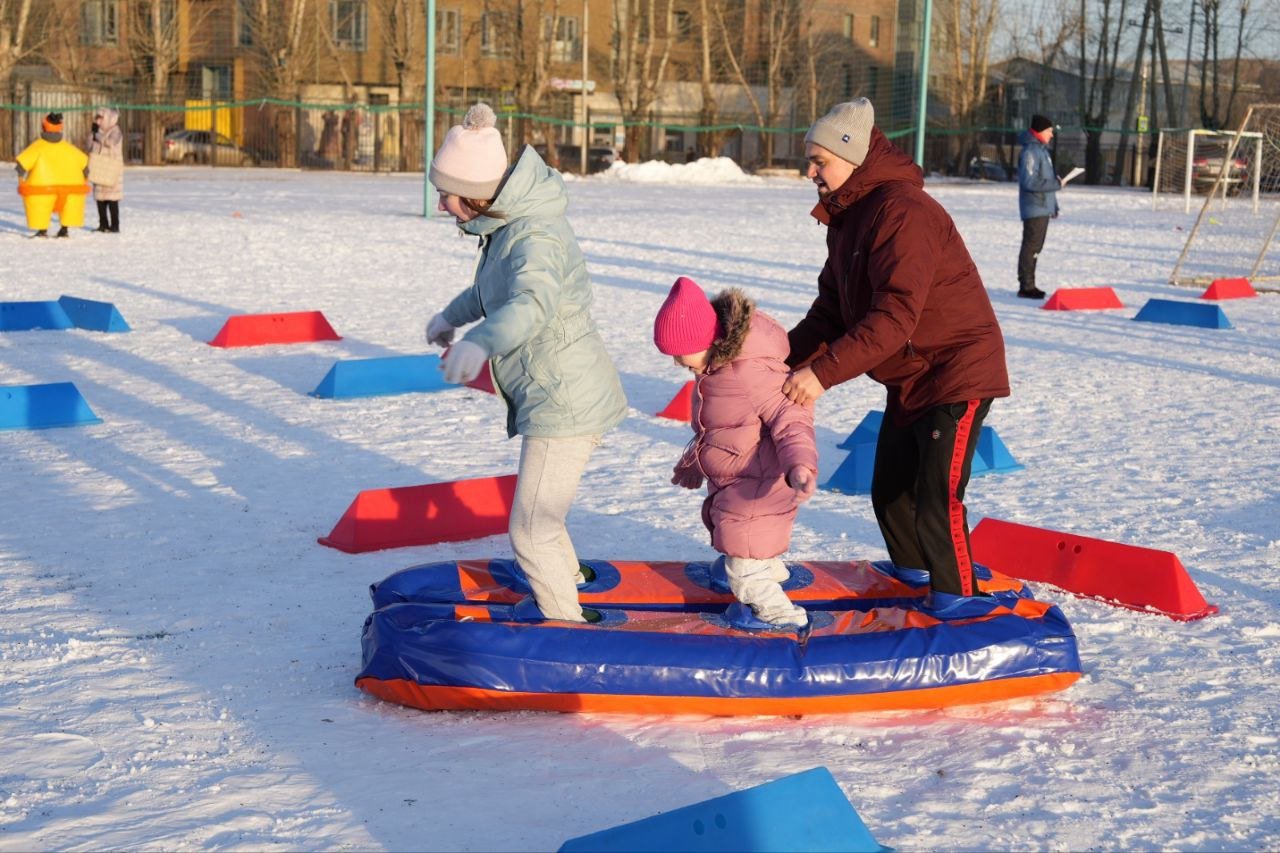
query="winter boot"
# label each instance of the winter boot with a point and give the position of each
(41, 233)
(1032, 293)
(63, 232)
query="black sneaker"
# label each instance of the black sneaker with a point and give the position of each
(1033, 293)
(41, 233)
(63, 232)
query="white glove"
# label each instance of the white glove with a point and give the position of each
(439, 332)
(463, 362)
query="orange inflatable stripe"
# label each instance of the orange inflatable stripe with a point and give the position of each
(439, 698)
(52, 189)
(478, 584)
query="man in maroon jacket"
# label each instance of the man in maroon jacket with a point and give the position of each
(900, 299)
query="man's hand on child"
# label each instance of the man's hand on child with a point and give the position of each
(802, 480)
(687, 478)
(802, 387)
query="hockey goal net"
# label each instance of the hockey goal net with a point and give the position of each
(1235, 233)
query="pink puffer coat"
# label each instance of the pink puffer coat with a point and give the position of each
(747, 434)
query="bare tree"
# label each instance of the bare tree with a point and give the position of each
(155, 40)
(1098, 74)
(403, 32)
(63, 45)
(965, 31)
(283, 44)
(638, 66)
(15, 43)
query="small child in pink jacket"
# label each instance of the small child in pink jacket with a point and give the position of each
(754, 447)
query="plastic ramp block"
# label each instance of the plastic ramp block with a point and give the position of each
(422, 515)
(866, 432)
(853, 477)
(802, 812)
(25, 316)
(1183, 314)
(1082, 299)
(1128, 575)
(992, 455)
(58, 404)
(681, 406)
(1229, 288)
(93, 316)
(295, 327)
(484, 382)
(371, 377)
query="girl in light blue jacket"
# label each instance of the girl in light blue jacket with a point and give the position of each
(532, 298)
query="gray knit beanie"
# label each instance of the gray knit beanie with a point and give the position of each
(845, 131)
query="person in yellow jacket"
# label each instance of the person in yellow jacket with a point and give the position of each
(51, 174)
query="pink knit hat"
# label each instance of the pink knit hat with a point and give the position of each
(471, 161)
(686, 322)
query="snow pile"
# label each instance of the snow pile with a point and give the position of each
(707, 170)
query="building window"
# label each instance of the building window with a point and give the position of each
(846, 82)
(674, 140)
(874, 39)
(448, 31)
(99, 22)
(873, 81)
(565, 37)
(848, 27)
(245, 22)
(350, 22)
(493, 35)
(682, 24)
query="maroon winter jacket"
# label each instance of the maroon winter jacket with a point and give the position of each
(899, 297)
(747, 434)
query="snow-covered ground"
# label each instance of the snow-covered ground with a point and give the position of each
(177, 651)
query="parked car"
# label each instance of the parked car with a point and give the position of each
(982, 169)
(1207, 165)
(599, 158)
(205, 146)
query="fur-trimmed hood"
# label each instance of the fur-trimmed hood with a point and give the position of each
(742, 331)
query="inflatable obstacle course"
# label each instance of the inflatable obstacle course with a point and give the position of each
(802, 812)
(57, 404)
(1183, 314)
(422, 515)
(681, 406)
(853, 476)
(1130, 576)
(251, 330)
(666, 642)
(1082, 299)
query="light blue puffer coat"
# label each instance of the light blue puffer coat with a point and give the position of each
(532, 292)
(1038, 184)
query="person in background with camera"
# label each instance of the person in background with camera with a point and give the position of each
(106, 167)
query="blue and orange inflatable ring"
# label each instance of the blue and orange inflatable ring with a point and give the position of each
(670, 640)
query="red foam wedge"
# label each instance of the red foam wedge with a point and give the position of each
(251, 330)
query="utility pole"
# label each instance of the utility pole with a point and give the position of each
(1140, 146)
(428, 107)
(1186, 66)
(922, 109)
(586, 41)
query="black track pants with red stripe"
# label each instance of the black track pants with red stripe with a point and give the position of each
(917, 491)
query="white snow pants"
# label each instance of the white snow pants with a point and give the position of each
(758, 584)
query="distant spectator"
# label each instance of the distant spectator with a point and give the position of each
(1038, 186)
(106, 167)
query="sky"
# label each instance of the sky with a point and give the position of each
(177, 652)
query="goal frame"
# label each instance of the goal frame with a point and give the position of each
(1232, 138)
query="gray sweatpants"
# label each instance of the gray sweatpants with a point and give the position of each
(550, 470)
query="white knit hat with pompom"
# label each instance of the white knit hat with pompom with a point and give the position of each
(472, 160)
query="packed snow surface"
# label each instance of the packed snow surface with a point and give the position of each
(177, 652)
